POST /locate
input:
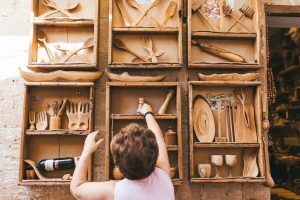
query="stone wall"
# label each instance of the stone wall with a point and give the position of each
(14, 30)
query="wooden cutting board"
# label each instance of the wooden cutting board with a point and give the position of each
(241, 131)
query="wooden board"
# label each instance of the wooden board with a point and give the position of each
(118, 94)
(45, 145)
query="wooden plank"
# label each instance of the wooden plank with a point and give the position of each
(58, 22)
(223, 35)
(227, 145)
(283, 10)
(107, 133)
(57, 132)
(58, 84)
(191, 131)
(57, 66)
(142, 84)
(179, 132)
(159, 65)
(153, 30)
(225, 83)
(140, 117)
(225, 66)
(228, 180)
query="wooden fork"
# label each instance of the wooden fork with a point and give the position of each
(32, 120)
(42, 121)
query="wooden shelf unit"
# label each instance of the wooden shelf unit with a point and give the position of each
(118, 94)
(167, 38)
(69, 33)
(37, 145)
(237, 40)
(200, 152)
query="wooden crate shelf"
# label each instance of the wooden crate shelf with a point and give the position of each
(165, 38)
(47, 144)
(238, 40)
(63, 35)
(154, 93)
(200, 151)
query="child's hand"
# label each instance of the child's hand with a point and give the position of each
(145, 108)
(90, 144)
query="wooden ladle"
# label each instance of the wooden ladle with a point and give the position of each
(41, 36)
(71, 6)
(87, 44)
(120, 45)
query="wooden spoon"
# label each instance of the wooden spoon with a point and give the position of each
(148, 45)
(134, 4)
(52, 4)
(123, 12)
(71, 6)
(60, 48)
(87, 44)
(120, 45)
(154, 3)
(43, 42)
(169, 12)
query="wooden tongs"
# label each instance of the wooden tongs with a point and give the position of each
(241, 97)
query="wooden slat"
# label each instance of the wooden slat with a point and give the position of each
(46, 66)
(225, 83)
(159, 65)
(223, 35)
(228, 180)
(225, 66)
(58, 84)
(229, 145)
(57, 132)
(142, 84)
(285, 10)
(155, 30)
(62, 22)
(140, 117)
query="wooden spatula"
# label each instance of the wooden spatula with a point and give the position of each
(169, 12)
(154, 3)
(250, 163)
(120, 45)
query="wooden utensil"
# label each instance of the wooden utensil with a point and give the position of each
(169, 12)
(229, 77)
(231, 121)
(234, 108)
(60, 76)
(32, 120)
(250, 163)
(154, 3)
(134, 4)
(123, 12)
(87, 44)
(120, 45)
(72, 116)
(83, 57)
(62, 108)
(203, 120)
(52, 4)
(227, 123)
(196, 7)
(247, 11)
(71, 6)
(222, 53)
(128, 78)
(228, 11)
(41, 36)
(219, 137)
(242, 97)
(163, 108)
(221, 4)
(148, 45)
(83, 116)
(157, 54)
(41, 121)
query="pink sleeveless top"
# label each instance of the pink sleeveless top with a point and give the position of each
(157, 186)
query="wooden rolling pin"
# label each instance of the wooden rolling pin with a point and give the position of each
(164, 106)
(222, 53)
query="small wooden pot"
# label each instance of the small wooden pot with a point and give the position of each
(170, 137)
(117, 174)
(55, 123)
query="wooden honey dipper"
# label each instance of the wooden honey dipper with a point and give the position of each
(228, 11)
(247, 11)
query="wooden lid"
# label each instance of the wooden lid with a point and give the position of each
(203, 120)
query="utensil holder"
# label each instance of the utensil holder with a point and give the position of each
(55, 123)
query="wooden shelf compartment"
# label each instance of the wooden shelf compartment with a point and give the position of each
(122, 98)
(166, 38)
(37, 145)
(85, 11)
(199, 150)
(238, 40)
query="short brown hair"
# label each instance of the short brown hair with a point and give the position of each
(135, 151)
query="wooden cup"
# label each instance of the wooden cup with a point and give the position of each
(204, 170)
(55, 123)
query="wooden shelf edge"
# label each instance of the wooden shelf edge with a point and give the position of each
(223, 35)
(57, 132)
(230, 145)
(144, 65)
(224, 66)
(129, 117)
(47, 182)
(142, 84)
(177, 181)
(63, 22)
(172, 147)
(56, 84)
(56, 66)
(158, 30)
(225, 83)
(229, 180)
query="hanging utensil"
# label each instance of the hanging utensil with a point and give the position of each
(87, 44)
(52, 4)
(71, 6)
(247, 11)
(148, 45)
(41, 36)
(169, 12)
(196, 7)
(134, 4)
(83, 57)
(123, 12)
(41, 121)
(242, 97)
(120, 45)
(154, 3)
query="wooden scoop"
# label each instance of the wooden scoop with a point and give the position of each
(70, 6)
(87, 44)
(120, 45)
(41, 36)
(154, 3)
(169, 12)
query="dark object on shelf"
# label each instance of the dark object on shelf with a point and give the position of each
(170, 137)
(54, 164)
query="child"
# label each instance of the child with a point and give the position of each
(142, 157)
